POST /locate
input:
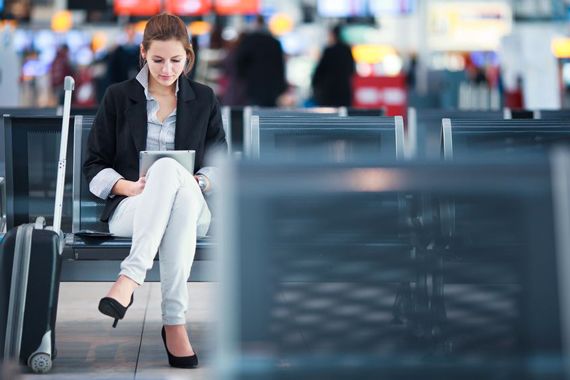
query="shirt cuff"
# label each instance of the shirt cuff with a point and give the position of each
(210, 172)
(102, 184)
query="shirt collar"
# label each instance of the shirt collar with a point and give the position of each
(142, 78)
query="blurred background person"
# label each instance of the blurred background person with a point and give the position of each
(208, 64)
(124, 60)
(332, 80)
(232, 87)
(59, 69)
(261, 66)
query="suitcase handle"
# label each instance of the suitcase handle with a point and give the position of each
(40, 223)
(69, 85)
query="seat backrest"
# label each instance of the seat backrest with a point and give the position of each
(552, 114)
(19, 112)
(424, 127)
(313, 112)
(32, 155)
(87, 207)
(502, 137)
(329, 137)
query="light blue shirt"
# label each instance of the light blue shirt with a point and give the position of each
(160, 136)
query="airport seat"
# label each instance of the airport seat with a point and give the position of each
(424, 128)
(336, 138)
(501, 137)
(32, 153)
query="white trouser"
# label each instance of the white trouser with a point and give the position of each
(167, 216)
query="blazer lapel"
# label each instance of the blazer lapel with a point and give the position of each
(137, 115)
(187, 133)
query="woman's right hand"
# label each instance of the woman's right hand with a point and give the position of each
(129, 188)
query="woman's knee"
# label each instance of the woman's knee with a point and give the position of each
(165, 164)
(188, 199)
(167, 169)
(190, 211)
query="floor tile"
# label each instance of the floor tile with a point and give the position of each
(89, 348)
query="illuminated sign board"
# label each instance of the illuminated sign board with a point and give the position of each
(188, 7)
(468, 26)
(237, 7)
(137, 7)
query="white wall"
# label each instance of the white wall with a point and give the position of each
(526, 52)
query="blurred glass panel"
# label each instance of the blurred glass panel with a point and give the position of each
(349, 272)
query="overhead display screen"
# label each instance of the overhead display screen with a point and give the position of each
(342, 8)
(137, 7)
(237, 7)
(391, 7)
(468, 26)
(364, 8)
(188, 7)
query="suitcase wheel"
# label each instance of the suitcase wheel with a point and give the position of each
(40, 362)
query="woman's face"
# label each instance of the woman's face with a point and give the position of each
(166, 61)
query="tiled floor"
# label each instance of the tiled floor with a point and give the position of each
(89, 348)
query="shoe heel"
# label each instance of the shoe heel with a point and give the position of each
(114, 309)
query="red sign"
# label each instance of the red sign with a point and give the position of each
(188, 7)
(236, 7)
(137, 7)
(381, 92)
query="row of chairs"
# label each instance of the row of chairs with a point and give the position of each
(424, 131)
(430, 133)
(28, 195)
(422, 138)
(271, 132)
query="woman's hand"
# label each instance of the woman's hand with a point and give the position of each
(129, 188)
(203, 182)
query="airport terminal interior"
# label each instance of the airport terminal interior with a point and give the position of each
(336, 189)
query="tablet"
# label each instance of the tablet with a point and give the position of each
(183, 157)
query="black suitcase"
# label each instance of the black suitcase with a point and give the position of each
(30, 266)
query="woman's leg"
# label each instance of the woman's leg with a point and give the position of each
(121, 224)
(168, 216)
(190, 216)
(145, 217)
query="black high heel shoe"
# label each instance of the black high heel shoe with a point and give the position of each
(111, 307)
(179, 361)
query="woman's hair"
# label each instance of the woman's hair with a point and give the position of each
(164, 27)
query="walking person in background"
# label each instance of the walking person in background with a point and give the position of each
(164, 211)
(261, 66)
(332, 80)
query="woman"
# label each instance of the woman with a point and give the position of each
(161, 109)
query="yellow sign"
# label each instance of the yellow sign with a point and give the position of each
(372, 54)
(280, 24)
(139, 26)
(61, 21)
(560, 47)
(198, 28)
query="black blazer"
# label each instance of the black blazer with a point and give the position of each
(119, 131)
